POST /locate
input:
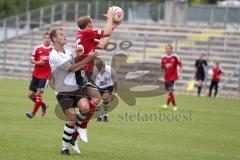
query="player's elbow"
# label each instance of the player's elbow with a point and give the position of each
(107, 34)
(100, 46)
(71, 70)
(32, 61)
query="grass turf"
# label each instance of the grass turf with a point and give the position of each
(205, 129)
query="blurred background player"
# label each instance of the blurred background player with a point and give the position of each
(200, 68)
(216, 73)
(106, 81)
(170, 63)
(88, 40)
(40, 75)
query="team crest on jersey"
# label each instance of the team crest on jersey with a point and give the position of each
(40, 52)
(44, 57)
(168, 65)
(172, 60)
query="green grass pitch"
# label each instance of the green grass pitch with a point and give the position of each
(202, 129)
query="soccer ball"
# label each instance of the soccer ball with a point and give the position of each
(210, 72)
(118, 14)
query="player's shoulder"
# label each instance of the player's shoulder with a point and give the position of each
(108, 68)
(42, 47)
(86, 31)
(163, 56)
(39, 47)
(221, 69)
(53, 53)
(175, 56)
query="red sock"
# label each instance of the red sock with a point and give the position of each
(37, 104)
(169, 98)
(43, 105)
(74, 136)
(172, 99)
(92, 106)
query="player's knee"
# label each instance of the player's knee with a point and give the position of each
(31, 96)
(83, 105)
(39, 93)
(106, 97)
(72, 119)
(72, 123)
(96, 100)
(84, 108)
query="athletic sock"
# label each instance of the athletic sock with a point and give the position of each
(37, 104)
(74, 137)
(67, 136)
(199, 90)
(105, 107)
(169, 99)
(92, 107)
(172, 99)
(81, 117)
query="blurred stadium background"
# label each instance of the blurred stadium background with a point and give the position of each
(193, 27)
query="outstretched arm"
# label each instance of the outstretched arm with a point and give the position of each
(77, 66)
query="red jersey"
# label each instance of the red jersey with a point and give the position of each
(89, 39)
(42, 53)
(169, 65)
(216, 73)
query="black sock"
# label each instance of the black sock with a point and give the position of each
(199, 90)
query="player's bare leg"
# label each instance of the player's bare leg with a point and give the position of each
(31, 95)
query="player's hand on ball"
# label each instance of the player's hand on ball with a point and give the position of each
(110, 13)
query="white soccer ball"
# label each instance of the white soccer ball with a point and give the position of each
(118, 14)
(210, 72)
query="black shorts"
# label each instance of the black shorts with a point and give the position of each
(84, 79)
(69, 99)
(200, 76)
(106, 90)
(38, 84)
(169, 85)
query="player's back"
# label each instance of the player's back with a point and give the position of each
(88, 39)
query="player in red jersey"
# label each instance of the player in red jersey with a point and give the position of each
(88, 40)
(169, 64)
(40, 75)
(217, 72)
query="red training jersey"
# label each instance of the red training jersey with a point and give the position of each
(89, 39)
(216, 73)
(169, 65)
(41, 53)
